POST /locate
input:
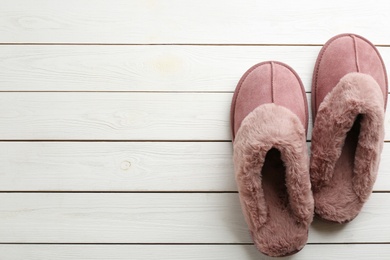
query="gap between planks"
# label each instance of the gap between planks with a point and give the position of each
(182, 244)
(124, 141)
(115, 141)
(173, 44)
(130, 192)
(166, 44)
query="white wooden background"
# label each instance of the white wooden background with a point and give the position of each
(114, 125)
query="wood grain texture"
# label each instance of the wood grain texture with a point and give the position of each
(124, 166)
(280, 22)
(159, 218)
(118, 116)
(179, 252)
(109, 116)
(142, 68)
(127, 166)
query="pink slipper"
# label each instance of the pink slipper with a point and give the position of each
(349, 94)
(269, 117)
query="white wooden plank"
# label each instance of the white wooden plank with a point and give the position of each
(193, 252)
(144, 68)
(383, 180)
(177, 21)
(127, 166)
(159, 218)
(102, 166)
(122, 116)
(118, 116)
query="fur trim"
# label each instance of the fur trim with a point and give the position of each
(272, 126)
(355, 94)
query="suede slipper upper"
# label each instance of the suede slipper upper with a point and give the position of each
(268, 119)
(349, 94)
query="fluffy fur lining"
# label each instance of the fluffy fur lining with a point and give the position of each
(355, 94)
(272, 126)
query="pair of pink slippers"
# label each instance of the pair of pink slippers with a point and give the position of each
(279, 189)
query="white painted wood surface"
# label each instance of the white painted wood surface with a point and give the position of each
(115, 116)
(114, 125)
(179, 252)
(141, 68)
(202, 21)
(159, 218)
